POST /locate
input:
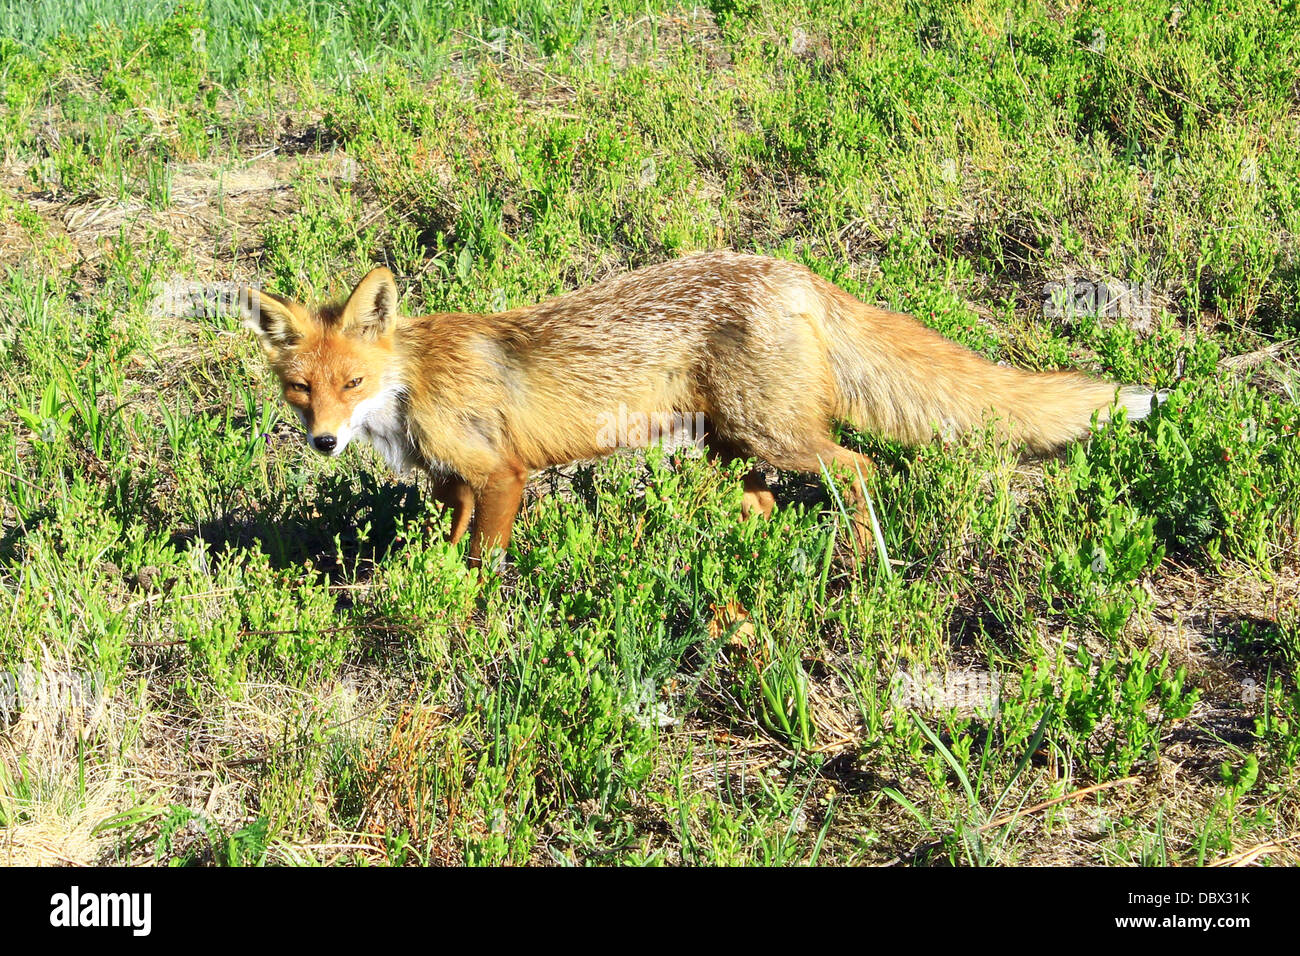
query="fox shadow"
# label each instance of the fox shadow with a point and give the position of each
(348, 524)
(577, 483)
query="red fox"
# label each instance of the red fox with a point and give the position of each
(765, 352)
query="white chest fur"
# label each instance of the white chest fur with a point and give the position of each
(381, 420)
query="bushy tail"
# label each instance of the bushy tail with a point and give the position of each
(898, 378)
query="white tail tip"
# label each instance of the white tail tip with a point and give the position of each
(1139, 402)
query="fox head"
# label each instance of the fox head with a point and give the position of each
(337, 364)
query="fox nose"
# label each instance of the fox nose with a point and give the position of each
(325, 443)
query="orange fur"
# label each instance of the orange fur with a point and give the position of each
(767, 352)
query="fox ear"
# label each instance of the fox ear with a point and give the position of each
(272, 318)
(371, 309)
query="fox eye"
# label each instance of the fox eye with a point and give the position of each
(299, 387)
(353, 384)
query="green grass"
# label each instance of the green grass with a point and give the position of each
(288, 670)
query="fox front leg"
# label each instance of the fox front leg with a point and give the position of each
(496, 503)
(454, 494)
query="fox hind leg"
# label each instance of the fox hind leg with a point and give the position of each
(851, 468)
(811, 457)
(758, 497)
